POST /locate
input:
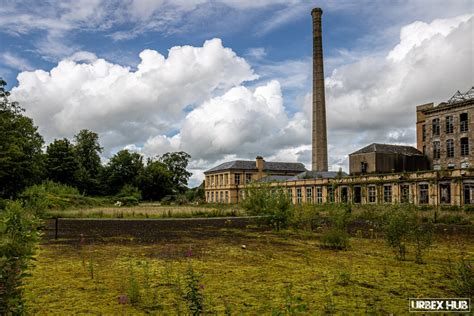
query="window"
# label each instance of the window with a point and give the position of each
(424, 150)
(435, 127)
(423, 132)
(330, 198)
(208, 197)
(357, 194)
(363, 167)
(237, 178)
(404, 193)
(423, 194)
(371, 194)
(227, 196)
(309, 195)
(468, 193)
(445, 193)
(248, 177)
(298, 196)
(226, 179)
(449, 124)
(450, 148)
(222, 197)
(464, 146)
(463, 120)
(387, 194)
(436, 150)
(319, 195)
(212, 196)
(289, 193)
(344, 195)
(221, 179)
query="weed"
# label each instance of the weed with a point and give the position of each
(463, 278)
(335, 238)
(193, 294)
(344, 277)
(133, 287)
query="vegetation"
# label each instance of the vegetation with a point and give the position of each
(277, 272)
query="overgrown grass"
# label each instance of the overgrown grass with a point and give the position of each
(277, 273)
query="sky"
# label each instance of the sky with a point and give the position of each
(231, 79)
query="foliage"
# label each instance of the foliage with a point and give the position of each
(155, 181)
(274, 203)
(340, 217)
(88, 150)
(176, 163)
(123, 168)
(21, 159)
(61, 162)
(306, 217)
(19, 235)
(463, 278)
(196, 194)
(422, 235)
(193, 294)
(335, 238)
(397, 231)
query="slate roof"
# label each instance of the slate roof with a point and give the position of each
(389, 149)
(251, 165)
(275, 179)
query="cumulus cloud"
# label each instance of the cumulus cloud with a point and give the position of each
(127, 106)
(374, 99)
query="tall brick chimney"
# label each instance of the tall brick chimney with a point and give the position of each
(320, 142)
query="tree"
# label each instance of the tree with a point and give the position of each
(88, 150)
(21, 159)
(123, 169)
(155, 181)
(177, 162)
(61, 162)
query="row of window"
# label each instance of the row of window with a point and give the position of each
(223, 179)
(387, 194)
(464, 148)
(449, 126)
(217, 197)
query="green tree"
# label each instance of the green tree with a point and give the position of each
(61, 162)
(177, 162)
(123, 169)
(155, 181)
(88, 150)
(21, 159)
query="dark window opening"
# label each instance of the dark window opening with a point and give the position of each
(363, 167)
(387, 194)
(357, 195)
(344, 195)
(450, 148)
(464, 146)
(468, 193)
(449, 124)
(445, 193)
(330, 194)
(423, 194)
(237, 178)
(463, 120)
(423, 132)
(435, 127)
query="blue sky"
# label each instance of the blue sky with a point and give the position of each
(244, 93)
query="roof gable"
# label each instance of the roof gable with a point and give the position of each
(389, 149)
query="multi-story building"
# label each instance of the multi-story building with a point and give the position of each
(224, 183)
(445, 132)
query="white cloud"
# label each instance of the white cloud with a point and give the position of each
(374, 99)
(128, 106)
(16, 62)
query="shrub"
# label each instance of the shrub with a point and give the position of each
(128, 200)
(335, 238)
(19, 235)
(397, 231)
(463, 279)
(306, 217)
(423, 237)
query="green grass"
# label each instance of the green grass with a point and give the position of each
(276, 272)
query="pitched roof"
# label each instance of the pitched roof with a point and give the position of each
(251, 165)
(318, 175)
(389, 149)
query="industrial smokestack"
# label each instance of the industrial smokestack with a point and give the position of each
(320, 142)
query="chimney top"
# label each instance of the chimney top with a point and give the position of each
(317, 11)
(259, 157)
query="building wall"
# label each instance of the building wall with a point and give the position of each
(447, 187)
(386, 162)
(425, 116)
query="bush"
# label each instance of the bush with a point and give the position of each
(335, 238)
(128, 200)
(19, 235)
(130, 191)
(397, 229)
(306, 217)
(463, 280)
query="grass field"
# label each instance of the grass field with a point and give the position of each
(277, 273)
(149, 210)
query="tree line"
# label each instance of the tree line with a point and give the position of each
(77, 162)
